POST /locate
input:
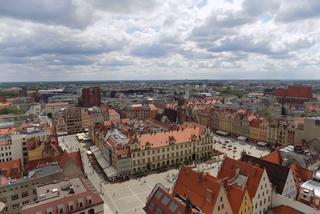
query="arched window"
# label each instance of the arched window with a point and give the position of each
(91, 211)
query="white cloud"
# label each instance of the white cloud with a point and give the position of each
(78, 39)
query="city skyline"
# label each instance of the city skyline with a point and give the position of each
(150, 40)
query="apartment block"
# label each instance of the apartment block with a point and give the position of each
(16, 193)
(68, 196)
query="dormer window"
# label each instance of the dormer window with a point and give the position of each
(89, 200)
(60, 208)
(80, 202)
(49, 210)
(70, 206)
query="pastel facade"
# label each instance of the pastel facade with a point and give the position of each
(159, 150)
(253, 178)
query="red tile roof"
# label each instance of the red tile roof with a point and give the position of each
(299, 91)
(182, 135)
(254, 174)
(277, 173)
(4, 180)
(57, 104)
(74, 156)
(280, 92)
(300, 174)
(285, 210)
(11, 168)
(153, 107)
(160, 199)
(296, 91)
(235, 196)
(195, 186)
(110, 122)
(273, 157)
(112, 112)
(7, 131)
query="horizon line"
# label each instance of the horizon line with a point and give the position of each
(149, 80)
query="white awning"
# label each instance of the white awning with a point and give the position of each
(243, 138)
(102, 162)
(262, 143)
(110, 172)
(219, 132)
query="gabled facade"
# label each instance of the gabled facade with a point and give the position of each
(203, 191)
(161, 201)
(280, 176)
(239, 199)
(251, 177)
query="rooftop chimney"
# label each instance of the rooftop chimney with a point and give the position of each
(237, 171)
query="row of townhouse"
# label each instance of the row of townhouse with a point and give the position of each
(238, 188)
(252, 126)
(241, 186)
(138, 111)
(132, 154)
(71, 120)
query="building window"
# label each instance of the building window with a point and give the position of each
(25, 194)
(14, 197)
(70, 206)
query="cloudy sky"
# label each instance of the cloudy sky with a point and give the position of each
(46, 40)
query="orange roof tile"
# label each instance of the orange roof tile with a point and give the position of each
(182, 135)
(57, 104)
(5, 104)
(7, 131)
(254, 174)
(110, 122)
(153, 107)
(75, 156)
(235, 196)
(11, 168)
(280, 92)
(284, 209)
(194, 185)
(4, 180)
(298, 121)
(112, 112)
(300, 174)
(273, 157)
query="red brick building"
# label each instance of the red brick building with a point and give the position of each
(294, 94)
(90, 97)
